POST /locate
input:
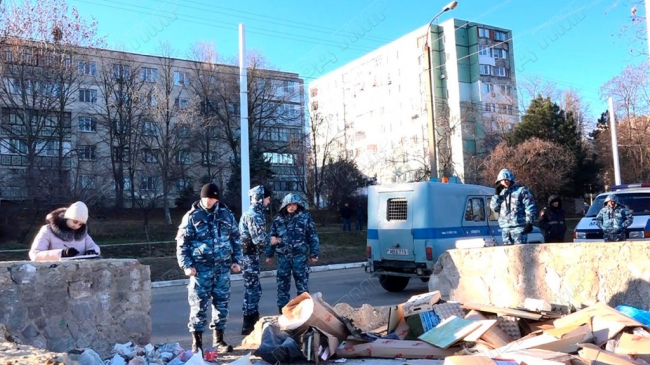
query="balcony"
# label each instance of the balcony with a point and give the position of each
(40, 161)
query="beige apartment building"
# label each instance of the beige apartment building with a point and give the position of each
(380, 108)
(94, 124)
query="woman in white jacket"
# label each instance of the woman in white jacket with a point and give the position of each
(64, 235)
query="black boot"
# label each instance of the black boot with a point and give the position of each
(249, 323)
(280, 309)
(197, 342)
(218, 342)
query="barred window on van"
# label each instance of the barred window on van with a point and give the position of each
(396, 210)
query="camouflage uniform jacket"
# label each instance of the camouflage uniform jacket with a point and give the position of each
(614, 220)
(515, 205)
(208, 238)
(296, 231)
(252, 225)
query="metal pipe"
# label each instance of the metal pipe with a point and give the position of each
(612, 124)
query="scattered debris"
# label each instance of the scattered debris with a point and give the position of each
(424, 327)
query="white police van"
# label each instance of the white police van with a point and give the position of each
(410, 225)
(635, 197)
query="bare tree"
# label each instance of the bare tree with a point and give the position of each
(40, 48)
(630, 91)
(542, 166)
(166, 129)
(125, 98)
(634, 27)
(208, 88)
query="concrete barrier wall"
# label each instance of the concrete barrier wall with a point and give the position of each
(63, 305)
(561, 273)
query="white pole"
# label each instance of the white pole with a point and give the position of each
(612, 126)
(243, 110)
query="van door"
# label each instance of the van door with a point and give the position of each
(475, 219)
(396, 225)
(493, 223)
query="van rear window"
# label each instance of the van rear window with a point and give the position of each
(396, 209)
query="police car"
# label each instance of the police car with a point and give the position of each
(411, 224)
(635, 197)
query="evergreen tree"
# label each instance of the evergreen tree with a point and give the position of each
(602, 126)
(261, 172)
(547, 121)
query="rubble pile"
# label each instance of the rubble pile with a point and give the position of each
(426, 327)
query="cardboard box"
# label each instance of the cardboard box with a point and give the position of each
(635, 346)
(306, 311)
(592, 352)
(421, 303)
(391, 349)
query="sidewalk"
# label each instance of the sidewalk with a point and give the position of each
(263, 274)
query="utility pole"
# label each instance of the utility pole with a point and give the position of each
(612, 124)
(243, 127)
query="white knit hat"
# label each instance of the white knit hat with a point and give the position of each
(77, 211)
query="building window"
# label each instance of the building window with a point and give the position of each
(313, 92)
(506, 90)
(184, 131)
(209, 158)
(501, 71)
(184, 157)
(483, 33)
(87, 95)
(149, 74)
(487, 88)
(500, 36)
(121, 71)
(233, 108)
(87, 124)
(180, 103)
(314, 105)
(88, 68)
(500, 53)
(279, 158)
(484, 51)
(149, 156)
(148, 183)
(87, 182)
(149, 128)
(86, 152)
(181, 78)
(509, 109)
(13, 147)
(485, 69)
(490, 107)
(121, 154)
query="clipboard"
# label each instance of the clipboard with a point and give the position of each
(81, 257)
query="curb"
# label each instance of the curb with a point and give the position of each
(263, 274)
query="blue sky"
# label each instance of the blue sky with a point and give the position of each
(575, 44)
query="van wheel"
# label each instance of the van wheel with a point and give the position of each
(393, 283)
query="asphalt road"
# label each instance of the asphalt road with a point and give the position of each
(170, 310)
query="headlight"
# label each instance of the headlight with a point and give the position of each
(581, 235)
(636, 234)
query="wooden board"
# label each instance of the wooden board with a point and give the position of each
(484, 326)
(505, 311)
(448, 332)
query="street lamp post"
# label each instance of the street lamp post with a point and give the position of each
(431, 100)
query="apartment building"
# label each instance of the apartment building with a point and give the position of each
(97, 124)
(381, 111)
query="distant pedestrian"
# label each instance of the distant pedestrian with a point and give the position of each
(516, 207)
(613, 219)
(208, 248)
(254, 239)
(65, 234)
(552, 220)
(360, 214)
(346, 215)
(294, 239)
